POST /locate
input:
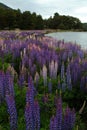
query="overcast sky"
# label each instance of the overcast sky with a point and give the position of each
(76, 8)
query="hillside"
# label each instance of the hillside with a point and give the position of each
(3, 6)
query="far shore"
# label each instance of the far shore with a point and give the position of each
(46, 31)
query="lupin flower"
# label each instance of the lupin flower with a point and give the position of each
(70, 54)
(1, 87)
(29, 117)
(81, 54)
(51, 69)
(73, 117)
(30, 97)
(11, 86)
(64, 57)
(44, 73)
(59, 113)
(12, 111)
(68, 78)
(55, 69)
(6, 81)
(31, 85)
(9, 81)
(36, 78)
(21, 80)
(66, 124)
(24, 51)
(62, 71)
(69, 119)
(53, 123)
(37, 115)
(32, 110)
(60, 121)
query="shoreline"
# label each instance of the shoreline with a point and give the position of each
(46, 31)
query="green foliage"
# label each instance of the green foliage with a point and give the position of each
(4, 63)
(3, 66)
(4, 118)
(11, 19)
(8, 58)
(84, 26)
(79, 125)
(16, 64)
(63, 22)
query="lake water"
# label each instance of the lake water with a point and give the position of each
(78, 37)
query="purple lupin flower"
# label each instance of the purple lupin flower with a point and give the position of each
(29, 117)
(12, 111)
(30, 97)
(9, 82)
(31, 85)
(5, 83)
(55, 69)
(81, 54)
(11, 86)
(1, 87)
(70, 53)
(73, 118)
(21, 80)
(32, 109)
(64, 57)
(62, 71)
(68, 78)
(59, 113)
(37, 115)
(29, 109)
(69, 119)
(53, 123)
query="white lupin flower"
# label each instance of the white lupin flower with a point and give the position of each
(36, 78)
(51, 69)
(24, 51)
(44, 74)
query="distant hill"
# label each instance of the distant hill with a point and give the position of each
(85, 26)
(3, 6)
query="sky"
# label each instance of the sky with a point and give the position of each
(47, 8)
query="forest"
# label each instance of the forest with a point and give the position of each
(11, 19)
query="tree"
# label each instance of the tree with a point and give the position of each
(39, 22)
(26, 20)
(18, 19)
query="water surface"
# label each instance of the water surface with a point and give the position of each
(75, 37)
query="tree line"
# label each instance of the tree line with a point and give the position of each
(11, 19)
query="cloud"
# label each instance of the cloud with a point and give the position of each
(81, 10)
